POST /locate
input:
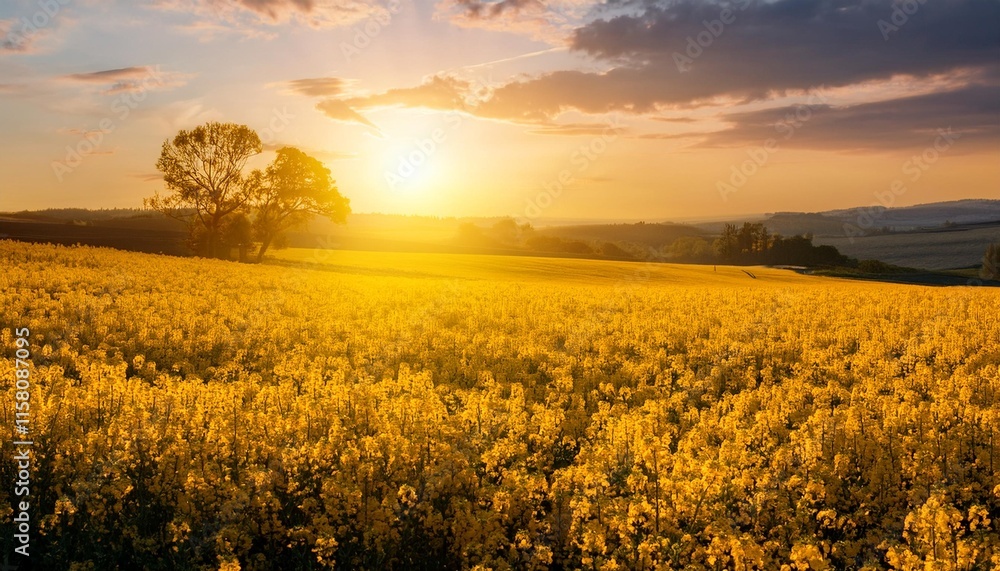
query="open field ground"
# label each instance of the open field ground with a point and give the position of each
(961, 247)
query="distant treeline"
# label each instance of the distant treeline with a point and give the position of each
(749, 244)
(753, 244)
(80, 214)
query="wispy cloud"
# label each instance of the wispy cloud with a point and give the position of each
(130, 79)
(317, 87)
(252, 18)
(551, 21)
(148, 176)
(577, 129)
(341, 111)
(20, 37)
(82, 132)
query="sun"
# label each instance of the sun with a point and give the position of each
(413, 167)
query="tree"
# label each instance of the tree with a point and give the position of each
(203, 170)
(690, 248)
(505, 230)
(471, 235)
(294, 188)
(237, 232)
(727, 246)
(991, 263)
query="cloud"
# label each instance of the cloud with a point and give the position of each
(208, 31)
(317, 87)
(664, 136)
(772, 47)
(110, 75)
(14, 39)
(20, 36)
(245, 15)
(594, 129)
(35, 27)
(546, 20)
(478, 9)
(340, 111)
(437, 92)
(970, 111)
(87, 133)
(675, 119)
(13, 88)
(769, 53)
(768, 49)
(185, 114)
(130, 79)
(148, 177)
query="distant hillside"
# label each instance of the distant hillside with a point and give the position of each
(923, 216)
(652, 235)
(929, 236)
(792, 224)
(959, 246)
(937, 236)
(873, 219)
(77, 214)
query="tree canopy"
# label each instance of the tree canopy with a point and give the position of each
(991, 262)
(295, 187)
(228, 208)
(203, 170)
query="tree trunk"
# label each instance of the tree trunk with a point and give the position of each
(212, 230)
(263, 248)
(210, 242)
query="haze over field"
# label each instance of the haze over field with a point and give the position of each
(555, 109)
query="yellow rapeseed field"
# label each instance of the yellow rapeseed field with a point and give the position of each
(361, 410)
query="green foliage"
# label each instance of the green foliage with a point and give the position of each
(753, 244)
(612, 250)
(294, 188)
(991, 263)
(203, 170)
(690, 249)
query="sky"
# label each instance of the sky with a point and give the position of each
(537, 109)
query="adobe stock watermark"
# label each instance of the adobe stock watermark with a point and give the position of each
(22, 443)
(325, 246)
(414, 160)
(758, 156)
(579, 161)
(121, 109)
(19, 35)
(279, 121)
(698, 43)
(914, 168)
(373, 26)
(901, 12)
(422, 150)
